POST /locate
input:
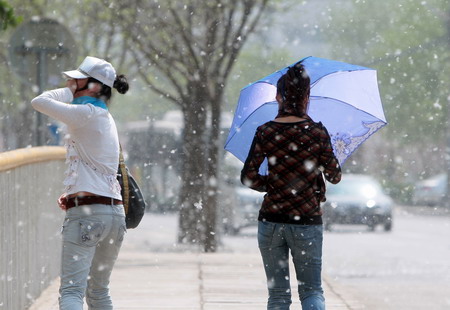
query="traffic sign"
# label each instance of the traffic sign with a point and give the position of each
(40, 50)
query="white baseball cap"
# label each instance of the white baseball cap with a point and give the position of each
(97, 68)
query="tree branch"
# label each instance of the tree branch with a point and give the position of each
(164, 66)
(110, 38)
(181, 99)
(228, 27)
(238, 43)
(164, 49)
(152, 85)
(187, 40)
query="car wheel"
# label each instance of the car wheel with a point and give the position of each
(233, 231)
(371, 227)
(388, 226)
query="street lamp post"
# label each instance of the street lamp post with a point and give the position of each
(447, 155)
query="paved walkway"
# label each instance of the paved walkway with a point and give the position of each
(157, 281)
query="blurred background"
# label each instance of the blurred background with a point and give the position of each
(187, 61)
(406, 41)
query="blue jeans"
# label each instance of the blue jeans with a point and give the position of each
(92, 237)
(305, 242)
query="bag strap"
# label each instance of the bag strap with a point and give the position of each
(124, 173)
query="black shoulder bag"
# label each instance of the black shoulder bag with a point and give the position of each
(133, 200)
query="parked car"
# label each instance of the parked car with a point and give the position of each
(240, 208)
(238, 205)
(430, 192)
(358, 199)
(247, 209)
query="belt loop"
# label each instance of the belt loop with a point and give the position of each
(76, 201)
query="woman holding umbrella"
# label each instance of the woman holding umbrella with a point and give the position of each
(299, 153)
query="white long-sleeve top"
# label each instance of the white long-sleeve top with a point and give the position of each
(92, 145)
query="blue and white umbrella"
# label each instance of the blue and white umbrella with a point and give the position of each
(344, 97)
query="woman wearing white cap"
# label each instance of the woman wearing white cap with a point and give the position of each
(94, 226)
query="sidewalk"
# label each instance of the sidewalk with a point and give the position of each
(189, 281)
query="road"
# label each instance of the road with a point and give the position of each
(406, 269)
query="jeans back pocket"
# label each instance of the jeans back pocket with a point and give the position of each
(91, 232)
(265, 234)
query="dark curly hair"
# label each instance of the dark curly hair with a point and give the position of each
(294, 89)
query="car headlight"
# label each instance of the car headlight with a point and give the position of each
(370, 203)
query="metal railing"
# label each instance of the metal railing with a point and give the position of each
(30, 223)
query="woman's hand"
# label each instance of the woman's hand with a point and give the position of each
(62, 202)
(72, 85)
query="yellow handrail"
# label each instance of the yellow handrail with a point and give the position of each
(13, 159)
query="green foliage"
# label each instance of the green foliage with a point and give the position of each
(405, 41)
(7, 16)
(254, 63)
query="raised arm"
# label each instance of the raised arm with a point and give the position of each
(56, 104)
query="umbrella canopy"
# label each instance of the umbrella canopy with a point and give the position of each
(344, 97)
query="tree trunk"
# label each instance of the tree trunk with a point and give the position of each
(212, 177)
(198, 194)
(447, 136)
(191, 220)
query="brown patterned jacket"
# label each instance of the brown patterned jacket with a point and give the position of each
(299, 154)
